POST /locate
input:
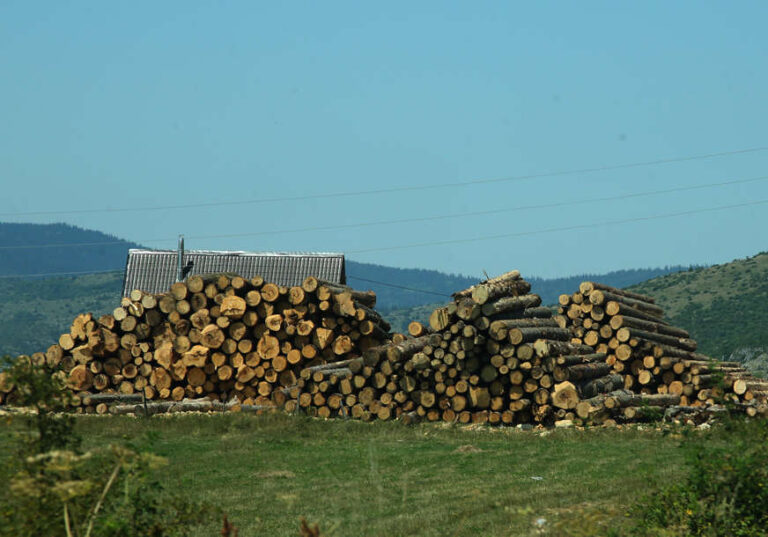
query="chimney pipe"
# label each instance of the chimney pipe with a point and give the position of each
(180, 273)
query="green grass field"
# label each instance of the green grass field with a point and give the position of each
(359, 479)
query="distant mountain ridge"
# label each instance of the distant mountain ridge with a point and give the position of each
(725, 307)
(395, 288)
(31, 249)
(35, 313)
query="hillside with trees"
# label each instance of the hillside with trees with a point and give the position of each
(724, 307)
(33, 249)
(36, 310)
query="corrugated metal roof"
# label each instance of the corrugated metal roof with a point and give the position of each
(154, 271)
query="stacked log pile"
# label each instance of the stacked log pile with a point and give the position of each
(217, 336)
(654, 358)
(492, 355)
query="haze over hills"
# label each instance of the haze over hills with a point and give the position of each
(35, 312)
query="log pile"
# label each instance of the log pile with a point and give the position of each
(492, 355)
(654, 358)
(216, 336)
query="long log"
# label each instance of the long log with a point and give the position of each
(498, 330)
(621, 321)
(466, 293)
(580, 358)
(96, 398)
(598, 298)
(528, 334)
(596, 386)
(541, 312)
(488, 292)
(618, 308)
(587, 287)
(366, 298)
(545, 347)
(625, 334)
(626, 398)
(587, 371)
(511, 303)
(660, 349)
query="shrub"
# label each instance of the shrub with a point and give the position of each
(56, 490)
(725, 493)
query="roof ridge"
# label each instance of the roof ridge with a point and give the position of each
(236, 252)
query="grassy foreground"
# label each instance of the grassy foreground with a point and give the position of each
(358, 479)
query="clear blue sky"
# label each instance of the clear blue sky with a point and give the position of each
(140, 104)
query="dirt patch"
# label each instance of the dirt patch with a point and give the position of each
(468, 448)
(276, 474)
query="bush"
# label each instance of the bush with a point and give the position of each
(55, 490)
(725, 493)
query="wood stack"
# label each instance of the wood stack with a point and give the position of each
(217, 336)
(492, 355)
(653, 357)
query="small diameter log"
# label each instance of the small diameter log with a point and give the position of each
(626, 398)
(587, 287)
(618, 308)
(620, 321)
(184, 405)
(416, 329)
(625, 334)
(598, 298)
(527, 334)
(580, 358)
(97, 398)
(499, 330)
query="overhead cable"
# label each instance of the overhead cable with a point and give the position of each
(411, 188)
(408, 220)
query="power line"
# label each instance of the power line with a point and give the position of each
(121, 270)
(485, 238)
(60, 273)
(556, 229)
(399, 286)
(412, 219)
(394, 189)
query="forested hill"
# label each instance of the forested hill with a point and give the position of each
(30, 249)
(395, 287)
(724, 307)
